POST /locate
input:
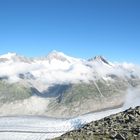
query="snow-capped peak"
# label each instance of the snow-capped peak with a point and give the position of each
(9, 55)
(14, 57)
(100, 59)
(55, 55)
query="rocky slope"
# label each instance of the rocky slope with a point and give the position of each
(77, 99)
(121, 126)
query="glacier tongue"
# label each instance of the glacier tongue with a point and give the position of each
(40, 128)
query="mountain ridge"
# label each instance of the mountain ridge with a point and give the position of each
(66, 86)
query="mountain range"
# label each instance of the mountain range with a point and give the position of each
(58, 85)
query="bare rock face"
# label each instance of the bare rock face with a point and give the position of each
(122, 126)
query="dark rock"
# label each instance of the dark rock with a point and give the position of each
(119, 137)
(136, 130)
(113, 134)
(4, 78)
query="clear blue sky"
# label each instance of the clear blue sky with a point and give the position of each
(80, 28)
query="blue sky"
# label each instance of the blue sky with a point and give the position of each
(80, 28)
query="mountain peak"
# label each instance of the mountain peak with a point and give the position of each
(15, 58)
(57, 55)
(8, 55)
(99, 59)
(54, 53)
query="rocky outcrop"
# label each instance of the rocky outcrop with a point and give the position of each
(122, 126)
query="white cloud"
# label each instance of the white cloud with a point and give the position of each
(72, 71)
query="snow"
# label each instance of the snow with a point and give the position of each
(9, 55)
(60, 68)
(36, 128)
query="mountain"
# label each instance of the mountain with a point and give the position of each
(59, 56)
(121, 126)
(99, 59)
(63, 86)
(14, 58)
